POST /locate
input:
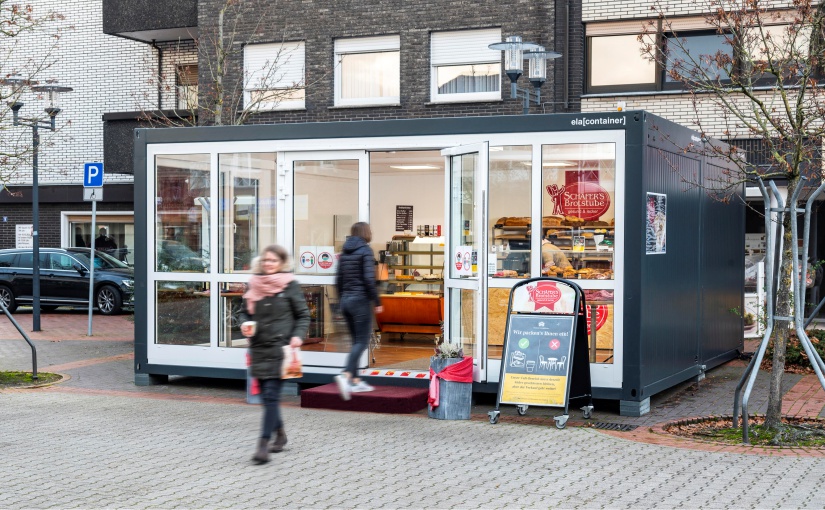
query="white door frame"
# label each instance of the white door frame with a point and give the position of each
(477, 283)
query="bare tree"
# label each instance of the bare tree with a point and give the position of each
(226, 93)
(762, 81)
(22, 65)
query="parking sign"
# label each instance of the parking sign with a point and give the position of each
(93, 175)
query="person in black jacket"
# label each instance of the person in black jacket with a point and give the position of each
(275, 301)
(358, 297)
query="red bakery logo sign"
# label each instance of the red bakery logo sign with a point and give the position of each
(544, 295)
(586, 200)
(601, 317)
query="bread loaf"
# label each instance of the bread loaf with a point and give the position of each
(551, 221)
(517, 221)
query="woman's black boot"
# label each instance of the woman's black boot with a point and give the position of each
(262, 454)
(279, 442)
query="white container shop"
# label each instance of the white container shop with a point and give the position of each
(461, 210)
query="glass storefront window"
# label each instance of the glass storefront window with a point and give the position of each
(497, 301)
(182, 213)
(510, 209)
(182, 313)
(248, 208)
(326, 206)
(600, 314)
(578, 210)
(327, 331)
(463, 308)
(462, 189)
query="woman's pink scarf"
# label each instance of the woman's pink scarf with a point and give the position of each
(263, 285)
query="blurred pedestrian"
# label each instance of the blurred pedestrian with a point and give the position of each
(358, 298)
(275, 301)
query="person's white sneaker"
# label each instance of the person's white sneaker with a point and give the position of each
(343, 386)
(361, 387)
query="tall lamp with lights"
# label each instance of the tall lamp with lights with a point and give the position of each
(15, 86)
(515, 51)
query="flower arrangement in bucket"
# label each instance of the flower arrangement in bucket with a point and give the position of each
(451, 377)
(447, 350)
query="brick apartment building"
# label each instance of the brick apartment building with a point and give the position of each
(107, 74)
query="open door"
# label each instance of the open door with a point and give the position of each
(465, 282)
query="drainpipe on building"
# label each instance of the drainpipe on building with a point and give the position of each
(160, 74)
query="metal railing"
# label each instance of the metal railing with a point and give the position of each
(25, 337)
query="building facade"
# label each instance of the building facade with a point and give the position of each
(106, 74)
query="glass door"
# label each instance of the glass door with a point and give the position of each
(325, 193)
(465, 281)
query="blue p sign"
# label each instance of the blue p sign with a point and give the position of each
(93, 175)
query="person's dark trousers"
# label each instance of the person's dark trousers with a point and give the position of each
(357, 311)
(271, 397)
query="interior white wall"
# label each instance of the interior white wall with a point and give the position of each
(422, 190)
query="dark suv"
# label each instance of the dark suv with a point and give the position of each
(64, 279)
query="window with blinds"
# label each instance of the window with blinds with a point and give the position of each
(463, 67)
(186, 86)
(368, 71)
(274, 76)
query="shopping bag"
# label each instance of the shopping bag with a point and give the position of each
(292, 366)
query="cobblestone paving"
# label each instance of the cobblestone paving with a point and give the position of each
(73, 450)
(98, 441)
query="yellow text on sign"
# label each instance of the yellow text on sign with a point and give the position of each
(540, 390)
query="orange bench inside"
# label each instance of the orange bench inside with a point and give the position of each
(411, 314)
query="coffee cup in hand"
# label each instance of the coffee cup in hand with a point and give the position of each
(248, 328)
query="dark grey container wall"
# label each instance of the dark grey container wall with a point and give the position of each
(670, 298)
(677, 304)
(723, 286)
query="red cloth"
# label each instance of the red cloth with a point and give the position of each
(457, 372)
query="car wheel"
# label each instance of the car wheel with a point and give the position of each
(108, 300)
(48, 308)
(7, 298)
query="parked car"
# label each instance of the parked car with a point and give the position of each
(64, 279)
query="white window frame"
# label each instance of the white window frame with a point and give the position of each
(463, 47)
(289, 59)
(375, 44)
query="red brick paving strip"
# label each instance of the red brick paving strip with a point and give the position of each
(70, 325)
(805, 400)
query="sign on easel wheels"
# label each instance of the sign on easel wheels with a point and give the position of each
(545, 360)
(92, 192)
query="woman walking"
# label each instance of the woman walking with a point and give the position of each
(358, 298)
(275, 301)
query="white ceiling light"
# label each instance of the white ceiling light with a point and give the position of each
(415, 167)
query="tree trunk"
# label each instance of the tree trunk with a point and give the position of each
(784, 308)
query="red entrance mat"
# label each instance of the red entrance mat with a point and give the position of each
(385, 399)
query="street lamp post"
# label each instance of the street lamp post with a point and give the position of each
(17, 85)
(515, 51)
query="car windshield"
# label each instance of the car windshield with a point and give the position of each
(102, 260)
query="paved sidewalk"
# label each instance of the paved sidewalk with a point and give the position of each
(97, 440)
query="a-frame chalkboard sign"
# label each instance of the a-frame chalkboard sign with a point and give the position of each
(545, 359)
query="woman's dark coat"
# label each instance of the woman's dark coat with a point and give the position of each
(279, 317)
(356, 271)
